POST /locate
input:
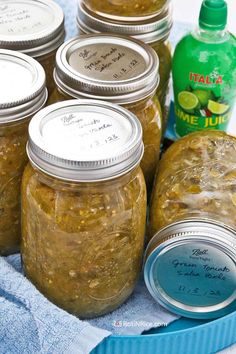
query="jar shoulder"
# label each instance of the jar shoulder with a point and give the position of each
(147, 110)
(122, 193)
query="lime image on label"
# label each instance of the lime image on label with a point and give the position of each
(188, 101)
(217, 108)
(203, 97)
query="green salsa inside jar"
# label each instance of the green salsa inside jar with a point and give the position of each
(23, 93)
(196, 178)
(84, 206)
(123, 8)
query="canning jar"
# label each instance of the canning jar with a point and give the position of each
(193, 227)
(121, 9)
(84, 205)
(154, 32)
(119, 70)
(22, 93)
(35, 28)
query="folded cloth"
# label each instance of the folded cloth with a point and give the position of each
(140, 313)
(29, 323)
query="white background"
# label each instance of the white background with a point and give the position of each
(188, 10)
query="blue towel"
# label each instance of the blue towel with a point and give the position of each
(70, 10)
(30, 324)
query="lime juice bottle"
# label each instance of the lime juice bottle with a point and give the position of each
(204, 73)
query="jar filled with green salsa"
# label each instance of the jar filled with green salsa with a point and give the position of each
(35, 28)
(154, 31)
(22, 93)
(197, 178)
(121, 9)
(84, 205)
(116, 69)
(190, 263)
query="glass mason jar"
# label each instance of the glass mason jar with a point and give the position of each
(119, 70)
(193, 226)
(35, 28)
(22, 93)
(89, 195)
(154, 32)
(121, 9)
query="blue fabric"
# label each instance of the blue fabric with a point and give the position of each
(70, 10)
(30, 324)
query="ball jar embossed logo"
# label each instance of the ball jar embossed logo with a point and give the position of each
(199, 252)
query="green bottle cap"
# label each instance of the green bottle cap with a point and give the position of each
(213, 15)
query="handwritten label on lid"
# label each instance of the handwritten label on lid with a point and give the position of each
(107, 62)
(85, 136)
(22, 18)
(196, 274)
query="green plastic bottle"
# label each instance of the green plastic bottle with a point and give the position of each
(204, 73)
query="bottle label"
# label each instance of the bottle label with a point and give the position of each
(204, 76)
(203, 104)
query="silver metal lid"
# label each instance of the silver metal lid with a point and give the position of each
(149, 30)
(22, 86)
(34, 27)
(108, 67)
(190, 268)
(85, 140)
